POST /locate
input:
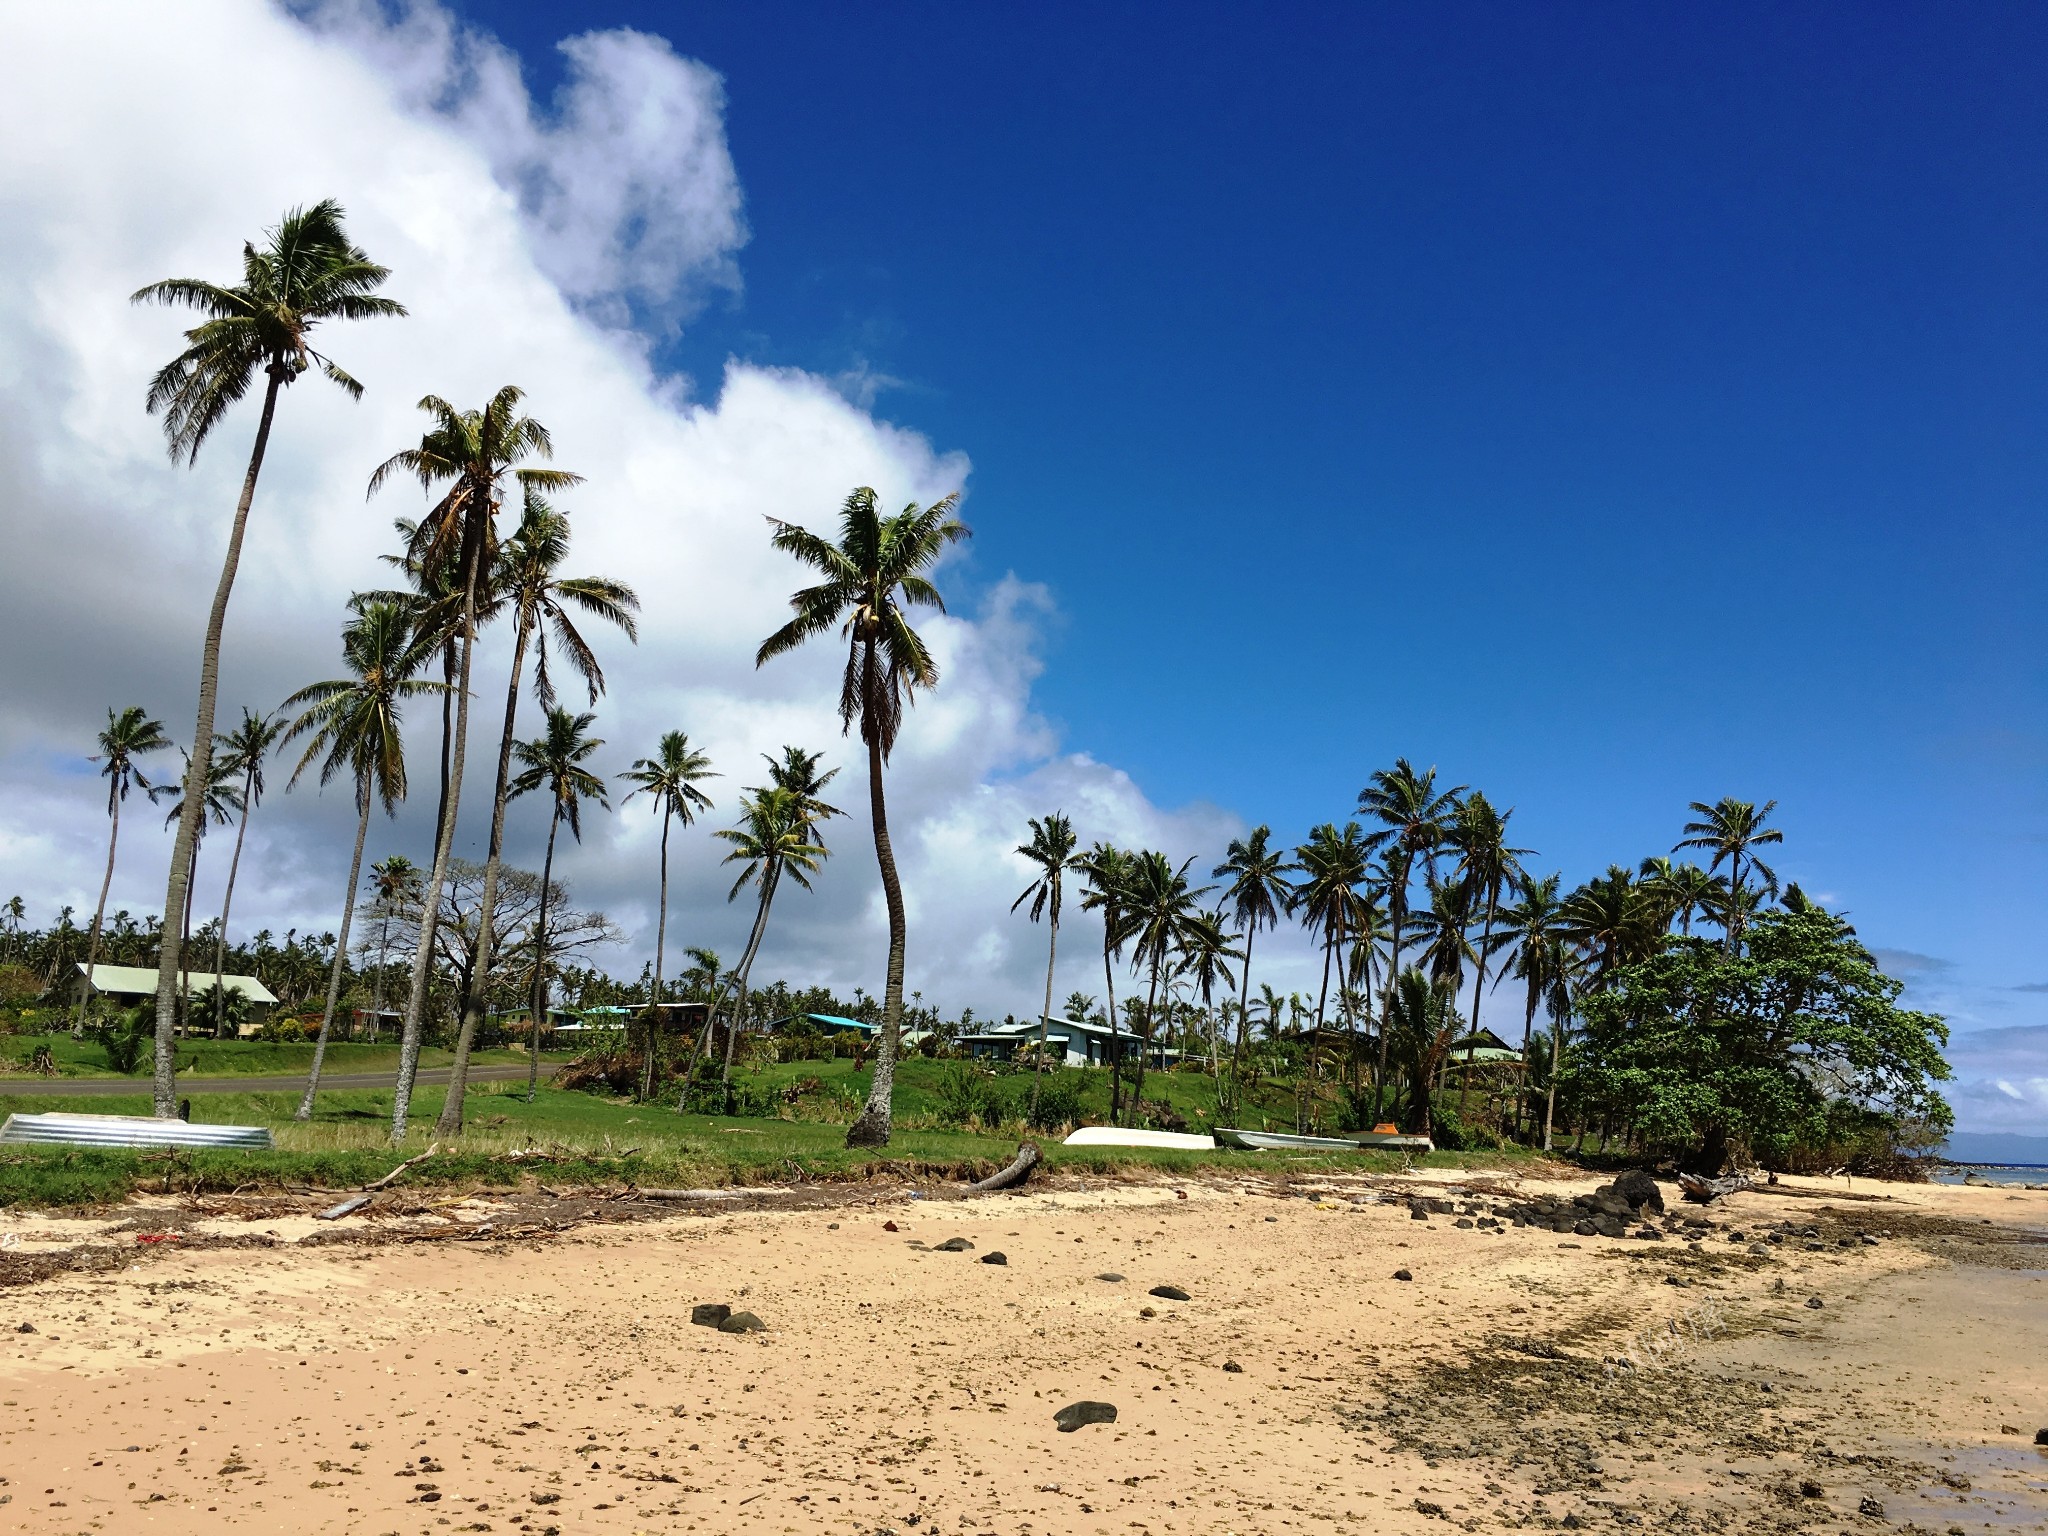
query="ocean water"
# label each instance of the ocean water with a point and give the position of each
(1997, 1174)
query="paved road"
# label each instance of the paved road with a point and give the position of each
(96, 1087)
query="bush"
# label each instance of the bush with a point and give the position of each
(968, 1095)
(1059, 1101)
(19, 986)
(123, 1037)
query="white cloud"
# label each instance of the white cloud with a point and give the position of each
(119, 171)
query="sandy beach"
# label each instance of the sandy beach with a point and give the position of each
(531, 1366)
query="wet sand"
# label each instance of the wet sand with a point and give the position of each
(378, 1380)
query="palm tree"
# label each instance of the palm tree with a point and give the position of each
(1333, 864)
(218, 803)
(1423, 1022)
(1563, 971)
(554, 762)
(1732, 828)
(392, 881)
(1534, 933)
(243, 750)
(1051, 851)
(1681, 892)
(305, 273)
(874, 571)
(354, 723)
(526, 581)
(1107, 871)
(129, 735)
(1258, 895)
(469, 452)
(1613, 922)
(1159, 905)
(1414, 817)
(774, 838)
(1486, 867)
(1203, 954)
(669, 779)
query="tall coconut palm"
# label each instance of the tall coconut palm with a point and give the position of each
(1612, 922)
(243, 750)
(393, 881)
(130, 735)
(1258, 895)
(1532, 931)
(1051, 853)
(1333, 863)
(304, 274)
(803, 774)
(1732, 829)
(470, 453)
(1107, 871)
(1563, 972)
(773, 838)
(1159, 905)
(528, 585)
(1423, 1024)
(1680, 891)
(1486, 867)
(871, 575)
(1204, 955)
(1413, 816)
(354, 724)
(218, 802)
(669, 779)
(554, 762)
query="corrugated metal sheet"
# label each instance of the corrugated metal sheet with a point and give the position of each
(140, 981)
(130, 1131)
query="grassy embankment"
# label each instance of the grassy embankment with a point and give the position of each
(573, 1138)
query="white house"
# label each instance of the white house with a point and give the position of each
(131, 986)
(1080, 1042)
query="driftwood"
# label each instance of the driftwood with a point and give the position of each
(1706, 1191)
(335, 1212)
(1013, 1176)
(394, 1173)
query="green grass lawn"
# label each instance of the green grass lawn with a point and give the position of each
(231, 1058)
(586, 1138)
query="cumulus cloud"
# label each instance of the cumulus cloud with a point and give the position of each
(119, 172)
(627, 190)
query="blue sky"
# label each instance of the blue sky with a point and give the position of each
(1615, 406)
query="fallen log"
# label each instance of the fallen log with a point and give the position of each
(1706, 1191)
(348, 1206)
(1014, 1175)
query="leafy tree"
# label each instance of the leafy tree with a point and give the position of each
(554, 762)
(669, 779)
(243, 751)
(1051, 852)
(470, 453)
(527, 582)
(355, 724)
(875, 570)
(305, 273)
(1717, 1052)
(129, 735)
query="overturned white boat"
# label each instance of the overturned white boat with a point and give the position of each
(130, 1131)
(1118, 1136)
(1356, 1141)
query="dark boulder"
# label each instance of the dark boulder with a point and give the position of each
(1639, 1190)
(710, 1314)
(1074, 1415)
(742, 1322)
(1169, 1293)
(995, 1257)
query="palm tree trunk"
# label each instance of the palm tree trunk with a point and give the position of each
(348, 912)
(1145, 1039)
(1397, 906)
(771, 877)
(185, 939)
(654, 995)
(1528, 1030)
(227, 901)
(450, 1123)
(99, 913)
(539, 1009)
(1116, 1051)
(1478, 991)
(1052, 950)
(1550, 1099)
(444, 839)
(185, 845)
(377, 992)
(704, 1036)
(871, 1126)
(1244, 1020)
